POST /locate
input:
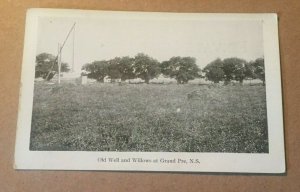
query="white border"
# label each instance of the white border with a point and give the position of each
(272, 162)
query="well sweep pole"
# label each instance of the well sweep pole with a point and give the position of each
(59, 62)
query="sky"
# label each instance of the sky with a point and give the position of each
(101, 39)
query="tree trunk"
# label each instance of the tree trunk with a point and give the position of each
(226, 82)
(147, 80)
(101, 80)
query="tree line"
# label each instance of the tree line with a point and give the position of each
(145, 67)
(235, 69)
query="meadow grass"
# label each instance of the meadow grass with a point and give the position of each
(171, 118)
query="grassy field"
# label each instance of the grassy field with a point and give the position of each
(173, 118)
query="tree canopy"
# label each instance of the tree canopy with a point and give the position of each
(182, 69)
(214, 71)
(45, 63)
(141, 66)
(234, 69)
(259, 69)
(249, 71)
(121, 68)
(114, 71)
(145, 67)
(97, 70)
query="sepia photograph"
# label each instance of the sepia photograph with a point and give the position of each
(178, 85)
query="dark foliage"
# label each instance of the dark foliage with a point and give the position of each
(97, 70)
(234, 69)
(145, 67)
(214, 71)
(182, 69)
(47, 64)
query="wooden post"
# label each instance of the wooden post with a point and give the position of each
(73, 48)
(59, 62)
(60, 47)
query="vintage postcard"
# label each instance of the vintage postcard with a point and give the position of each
(146, 91)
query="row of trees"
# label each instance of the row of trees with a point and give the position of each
(235, 69)
(145, 67)
(182, 69)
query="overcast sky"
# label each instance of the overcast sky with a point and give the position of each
(98, 39)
